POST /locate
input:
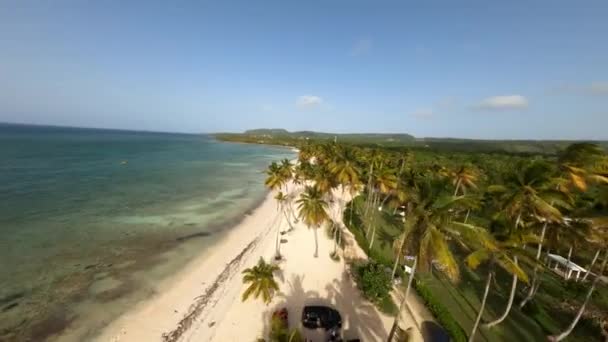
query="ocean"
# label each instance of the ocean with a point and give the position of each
(91, 220)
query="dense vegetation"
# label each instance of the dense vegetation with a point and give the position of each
(477, 226)
(282, 137)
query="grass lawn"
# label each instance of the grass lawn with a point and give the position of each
(463, 300)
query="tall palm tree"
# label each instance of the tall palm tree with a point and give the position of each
(312, 210)
(527, 195)
(464, 178)
(384, 183)
(261, 281)
(582, 163)
(324, 179)
(276, 176)
(511, 247)
(281, 199)
(580, 312)
(429, 225)
(286, 170)
(493, 255)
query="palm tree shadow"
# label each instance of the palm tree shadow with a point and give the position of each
(294, 300)
(360, 318)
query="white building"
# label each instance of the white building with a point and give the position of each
(569, 267)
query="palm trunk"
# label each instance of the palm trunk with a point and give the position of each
(371, 218)
(591, 266)
(335, 239)
(287, 219)
(391, 334)
(371, 241)
(277, 244)
(509, 303)
(399, 252)
(340, 238)
(483, 306)
(457, 187)
(572, 325)
(534, 284)
(466, 218)
(569, 256)
(316, 255)
(369, 187)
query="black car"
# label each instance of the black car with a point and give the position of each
(314, 317)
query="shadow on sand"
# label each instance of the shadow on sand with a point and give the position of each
(360, 318)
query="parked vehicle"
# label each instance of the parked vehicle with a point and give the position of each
(314, 317)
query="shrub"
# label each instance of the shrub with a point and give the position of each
(279, 332)
(441, 313)
(374, 281)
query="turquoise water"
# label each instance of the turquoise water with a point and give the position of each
(90, 220)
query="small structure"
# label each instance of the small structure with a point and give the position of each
(569, 266)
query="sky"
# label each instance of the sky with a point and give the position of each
(467, 69)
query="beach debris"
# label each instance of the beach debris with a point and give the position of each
(203, 300)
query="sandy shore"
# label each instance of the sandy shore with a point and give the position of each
(202, 302)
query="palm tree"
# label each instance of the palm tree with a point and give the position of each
(286, 170)
(384, 182)
(428, 227)
(464, 178)
(276, 176)
(582, 163)
(526, 194)
(313, 211)
(281, 199)
(261, 281)
(492, 254)
(324, 179)
(512, 248)
(580, 312)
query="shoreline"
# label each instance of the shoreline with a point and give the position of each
(175, 295)
(202, 302)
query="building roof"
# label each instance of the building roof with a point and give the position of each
(564, 262)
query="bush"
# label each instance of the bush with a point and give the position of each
(444, 317)
(388, 306)
(279, 332)
(374, 281)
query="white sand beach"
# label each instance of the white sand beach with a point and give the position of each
(202, 302)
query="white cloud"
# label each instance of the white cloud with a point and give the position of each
(503, 102)
(309, 101)
(361, 47)
(599, 88)
(423, 113)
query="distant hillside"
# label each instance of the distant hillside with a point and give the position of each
(278, 133)
(278, 136)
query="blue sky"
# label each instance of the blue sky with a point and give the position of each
(474, 69)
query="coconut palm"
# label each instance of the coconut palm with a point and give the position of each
(281, 199)
(581, 164)
(312, 210)
(324, 179)
(492, 254)
(428, 226)
(261, 281)
(511, 247)
(527, 195)
(580, 312)
(276, 176)
(384, 183)
(464, 178)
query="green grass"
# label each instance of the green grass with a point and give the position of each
(463, 300)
